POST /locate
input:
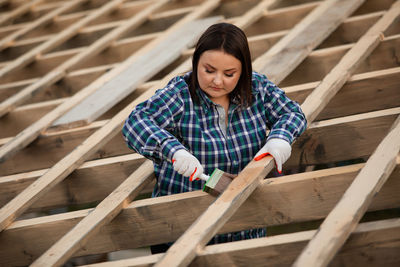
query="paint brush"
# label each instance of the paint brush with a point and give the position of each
(218, 182)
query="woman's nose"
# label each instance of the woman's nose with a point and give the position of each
(217, 80)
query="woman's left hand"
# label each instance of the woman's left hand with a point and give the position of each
(277, 148)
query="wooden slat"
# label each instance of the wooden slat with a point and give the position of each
(254, 14)
(61, 71)
(18, 12)
(304, 37)
(343, 219)
(110, 207)
(128, 80)
(268, 251)
(348, 64)
(9, 40)
(89, 183)
(64, 35)
(55, 75)
(275, 202)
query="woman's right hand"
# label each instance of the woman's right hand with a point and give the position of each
(186, 164)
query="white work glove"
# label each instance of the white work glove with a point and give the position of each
(186, 164)
(277, 148)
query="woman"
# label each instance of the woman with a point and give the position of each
(215, 116)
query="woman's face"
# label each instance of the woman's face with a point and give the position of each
(218, 73)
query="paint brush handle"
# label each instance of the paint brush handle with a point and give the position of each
(204, 177)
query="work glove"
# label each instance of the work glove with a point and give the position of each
(279, 149)
(186, 164)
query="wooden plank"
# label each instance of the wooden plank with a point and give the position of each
(127, 81)
(105, 212)
(29, 134)
(362, 93)
(332, 83)
(254, 14)
(96, 47)
(9, 40)
(64, 35)
(275, 202)
(89, 183)
(303, 38)
(378, 240)
(343, 219)
(6, 19)
(320, 62)
(268, 251)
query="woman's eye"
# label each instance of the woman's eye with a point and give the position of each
(209, 71)
(229, 75)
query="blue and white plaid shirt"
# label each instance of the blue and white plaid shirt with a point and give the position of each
(170, 121)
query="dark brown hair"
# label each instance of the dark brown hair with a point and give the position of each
(232, 40)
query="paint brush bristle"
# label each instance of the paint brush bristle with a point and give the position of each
(218, 182)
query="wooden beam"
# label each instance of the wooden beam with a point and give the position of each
(332, 83)
(275, 202)
(320, 62)
(343, 219)
(320, 147)
(18, 12)
(268, 251)
(254, 14)
(8, 41)
(104, 213)
(89, 183)
(303, 38)
(64, 35)
(96, 47)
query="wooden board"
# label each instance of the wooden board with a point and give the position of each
(343, 219)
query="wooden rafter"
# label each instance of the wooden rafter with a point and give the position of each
(343, 219)
(95, 48)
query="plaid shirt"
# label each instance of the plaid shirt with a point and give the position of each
(170, 121)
